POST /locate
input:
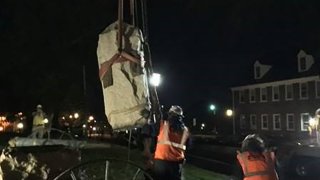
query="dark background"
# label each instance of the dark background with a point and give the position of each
(201, 48)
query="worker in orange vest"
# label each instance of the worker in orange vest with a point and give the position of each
(256, 162)
(171, 145)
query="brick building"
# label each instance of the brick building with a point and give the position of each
(279, 99)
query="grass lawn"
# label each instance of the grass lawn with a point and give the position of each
(122, 171)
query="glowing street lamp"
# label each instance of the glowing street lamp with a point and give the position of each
(46, 121)
(155, 79)
(229, 112)
(76, 115)
(203, 125)
(20, 125)
(212, 107)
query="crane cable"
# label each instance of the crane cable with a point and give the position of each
(120, 24)
(154, 95)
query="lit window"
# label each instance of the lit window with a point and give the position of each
(304, 91)
(289, 92)
(276, 122)
(275, 93)
(252, 95)
(290, 122)
(253, 121)
(263, 94)
(305, 121)
(264, 122)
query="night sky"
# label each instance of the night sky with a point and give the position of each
(201, 48)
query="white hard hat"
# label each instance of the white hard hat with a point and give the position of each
(176, 110)
(39, 106)
(253, 141)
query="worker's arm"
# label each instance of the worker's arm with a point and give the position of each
(148, 134)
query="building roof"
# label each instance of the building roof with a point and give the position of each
(282, 68)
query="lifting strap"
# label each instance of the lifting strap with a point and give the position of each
(120, 24)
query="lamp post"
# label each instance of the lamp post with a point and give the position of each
(76, 115)
(155, 80)
(229, 114)
(212, 108)
(20, 127)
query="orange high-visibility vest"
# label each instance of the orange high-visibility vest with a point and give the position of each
(171, 145)
(258, 166)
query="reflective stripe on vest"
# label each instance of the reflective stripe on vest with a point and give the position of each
(181, 146)
(166, 140)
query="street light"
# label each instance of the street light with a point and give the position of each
(155, 79)
(20, 125)
(212, 107)
(203, 125)
(76, 115)
(229, 112)
(46, 121)
(91, 118)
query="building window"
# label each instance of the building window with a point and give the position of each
(264, 122)
(290, 122)
(263, 94)
(304, 91)
(276, 122)
(318, 89)
(242, 121)
(241, 96)
(275, 93)
(252, 93)
(289, 92)
(303, 64)
(253, 121)
(304, 121)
